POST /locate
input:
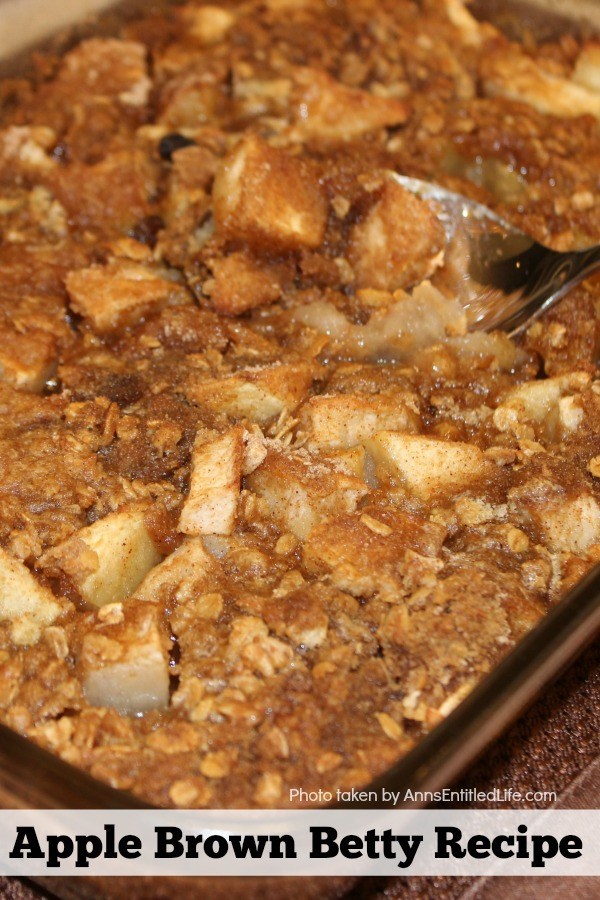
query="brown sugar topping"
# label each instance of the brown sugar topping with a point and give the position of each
(267, 511)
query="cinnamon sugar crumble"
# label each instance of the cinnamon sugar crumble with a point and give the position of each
(267, 511)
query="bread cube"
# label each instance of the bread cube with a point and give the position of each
(188, 571)
(186, 199)
(120, 294)
(208, 24)
(190, 99)
(342, 421)
(106, 561)
(124, 660)
(301, 491)
(240, 285)
(25, 150)
(399, 242)
(331, 111)
(24, 602)
(211, 504)
(506, 72)
(259, 394)
(268, 198)
(471, 31)
(106, 199)
(427, 467)
(28, 360)
(108, 68)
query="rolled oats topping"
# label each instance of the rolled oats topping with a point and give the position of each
(268, 511)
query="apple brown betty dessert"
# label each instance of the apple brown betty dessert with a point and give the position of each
(268, 511)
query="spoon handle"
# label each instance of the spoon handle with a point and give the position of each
(554, 274)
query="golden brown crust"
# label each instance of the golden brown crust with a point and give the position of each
(256, 481)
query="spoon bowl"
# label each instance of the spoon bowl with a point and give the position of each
(512, 279)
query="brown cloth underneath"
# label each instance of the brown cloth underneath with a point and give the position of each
(555, 746)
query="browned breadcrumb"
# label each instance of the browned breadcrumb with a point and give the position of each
(268, 513)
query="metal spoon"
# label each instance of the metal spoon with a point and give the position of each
(510, 278)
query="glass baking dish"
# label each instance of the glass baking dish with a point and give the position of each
(31, 777)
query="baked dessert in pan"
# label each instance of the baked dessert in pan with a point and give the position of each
(268, 512)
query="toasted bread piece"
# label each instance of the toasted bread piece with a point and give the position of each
(265, 196)
(208, 24)
(241, 284)
(111, 297)
(259, 393)
(106, 68)
(509, 72)
(399, 242)
(28, 360)
(328, 110)
(25, 149)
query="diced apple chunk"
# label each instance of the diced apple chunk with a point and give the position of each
(401, 331)
(124, 661)
(217, 467)
(121, 293)
(342, 421)
(427, 466)
(24, 602)
(106, 561)
(570, 413)
(189, 570)
(301, 490)
(539, 403)
(264, 196)
(259, 394)
(570, 526)
(350, 461)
